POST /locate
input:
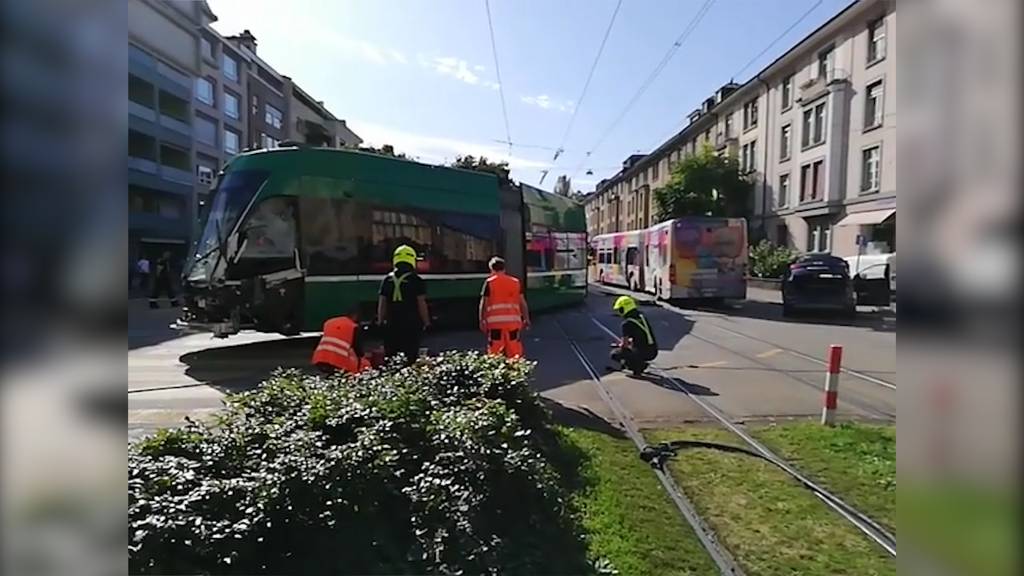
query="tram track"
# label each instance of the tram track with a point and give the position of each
(721, 556)
(868, 527)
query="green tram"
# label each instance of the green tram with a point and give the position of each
(293, 236)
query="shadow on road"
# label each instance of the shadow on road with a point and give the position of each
(663, 382)
(580, 418)
(880, 320)
(147, 327)
(244, 366)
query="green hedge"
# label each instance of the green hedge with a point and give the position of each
(449, 467)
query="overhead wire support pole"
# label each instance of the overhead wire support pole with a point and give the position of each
(501, 84)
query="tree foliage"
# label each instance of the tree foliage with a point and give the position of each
(482, 164)
(385, 150)
(704, 184)
(770, 261)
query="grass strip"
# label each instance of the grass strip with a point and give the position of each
(857, 462)
(629, 519)
(771, 524)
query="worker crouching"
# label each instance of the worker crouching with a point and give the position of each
(638, 347)
(341, 346)
(503, 312)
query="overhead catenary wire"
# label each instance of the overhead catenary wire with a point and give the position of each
(497, 73)
(778, 38)
(662, 64)
(586, 84)
(749, 63)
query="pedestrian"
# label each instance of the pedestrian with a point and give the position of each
(341, 345)
(163, 282)
(402, 306)
(142, 271)
(503, 311)
(638, 346)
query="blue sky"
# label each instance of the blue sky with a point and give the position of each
(420, 75)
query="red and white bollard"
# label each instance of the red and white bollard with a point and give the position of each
(835, 359)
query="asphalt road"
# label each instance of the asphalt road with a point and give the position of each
(745, 359)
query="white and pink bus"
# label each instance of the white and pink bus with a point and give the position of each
(685, 258)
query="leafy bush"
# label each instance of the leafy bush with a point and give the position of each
(770, 261)
(448, 466)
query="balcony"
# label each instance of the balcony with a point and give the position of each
(142, 165)
(724, 140)
(176, 175)
(821, 84)
(175, 124)
(141, 111)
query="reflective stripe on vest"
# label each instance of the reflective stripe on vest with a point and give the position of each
(642, 323)
(396, 293)
(335, 346)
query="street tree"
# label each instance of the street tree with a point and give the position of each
(482, 164)
(704, 184)
(385, 150)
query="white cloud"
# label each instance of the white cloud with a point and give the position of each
(439, 149)
(347, 46)
(399, 57)
(456, 68)
(545, 102)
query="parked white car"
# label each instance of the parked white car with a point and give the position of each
(874, 273)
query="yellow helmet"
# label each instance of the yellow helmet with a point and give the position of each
(623, 304)
(404, 253)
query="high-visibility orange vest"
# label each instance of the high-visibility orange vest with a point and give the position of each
(503, 296)
(335, 347)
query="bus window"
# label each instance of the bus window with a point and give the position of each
(631, 256)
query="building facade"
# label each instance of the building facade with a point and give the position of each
(163, 63)
(195, 100)
(813, 133)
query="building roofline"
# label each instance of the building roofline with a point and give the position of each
(839, 19)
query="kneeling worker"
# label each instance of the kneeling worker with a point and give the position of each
(503, 311)
(637, 347)
(340, 347)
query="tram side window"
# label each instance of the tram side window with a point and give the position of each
(335, 235)
(447, 243)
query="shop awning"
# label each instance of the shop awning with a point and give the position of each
(863, 218)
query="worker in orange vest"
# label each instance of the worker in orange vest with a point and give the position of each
(503, 311)
(340, 347)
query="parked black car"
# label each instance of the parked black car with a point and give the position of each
(818, 282)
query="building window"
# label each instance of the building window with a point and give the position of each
(787, 93)
(204, 174)
(206, 47)
(812, 181)
(873, 105)
(826, 59)
(783, 193)
(707, 135)
(876, 40)
(814, 125)
(204, 91)
(273, 116)
(230, 68)
(267, 141)
(728, 125)
(819, 238)
(871, 169)
(750, 114)
(785, 142)
(231, 140)
(206, 130)
(747, 155)
(230, 105)
(654, 170)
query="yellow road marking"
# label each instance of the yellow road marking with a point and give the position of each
(710, 364)
(770, 353)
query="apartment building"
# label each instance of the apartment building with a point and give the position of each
(163, 63)
(221, 93)
(309, 121)
(267, 108)
(810, 130)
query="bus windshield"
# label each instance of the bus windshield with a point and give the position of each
(233, 194)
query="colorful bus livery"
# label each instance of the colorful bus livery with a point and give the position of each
(685, 258)
(295, 236)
